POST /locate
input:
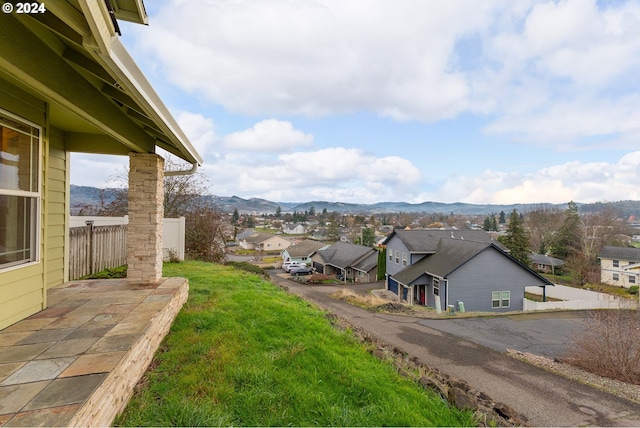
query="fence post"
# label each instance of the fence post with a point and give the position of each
(89, 224)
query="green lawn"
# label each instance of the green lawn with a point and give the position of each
(242, 352)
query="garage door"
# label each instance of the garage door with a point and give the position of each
(393, 285)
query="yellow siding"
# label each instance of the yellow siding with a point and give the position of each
(56, 209)
(20, 293)
(22, 288)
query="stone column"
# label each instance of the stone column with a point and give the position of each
(146, 209)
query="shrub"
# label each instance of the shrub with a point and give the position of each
(609, 345)
(633, 289)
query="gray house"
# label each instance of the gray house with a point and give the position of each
(439, 268)
(348, 261)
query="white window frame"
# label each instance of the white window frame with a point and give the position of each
(397, 257)
(436, 287)
(390, 254)
(498, 299)
(632, 279)
(616, 263)
(35, 196)
(404, 259)
(615, 277)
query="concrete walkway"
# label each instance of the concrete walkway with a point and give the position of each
(544, 398)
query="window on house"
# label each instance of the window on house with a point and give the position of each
(632, 279)
(397, 256)
(436, 287)
(500, 299)
(19, 191)
(616, 263)
(404, 259)
(616, 277)
(390, 255)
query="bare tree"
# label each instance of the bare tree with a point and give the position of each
(543, 225)
(184, 196)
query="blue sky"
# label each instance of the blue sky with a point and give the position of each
(408, 100)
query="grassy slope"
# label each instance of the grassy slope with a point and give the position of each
(243, 352)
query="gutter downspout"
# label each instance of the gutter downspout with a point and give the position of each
(194, 168)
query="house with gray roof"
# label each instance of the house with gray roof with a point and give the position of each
(546, 264)
(302, 251)
(441, 269)
(620, 266)
(348, 261)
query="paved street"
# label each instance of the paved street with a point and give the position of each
(547, 334)
(544, 398)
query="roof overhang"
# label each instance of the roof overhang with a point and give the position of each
(71, 57)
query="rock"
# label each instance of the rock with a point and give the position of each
(428, 383)
(508, 413)
(461, 399)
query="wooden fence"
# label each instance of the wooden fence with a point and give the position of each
(95, 248)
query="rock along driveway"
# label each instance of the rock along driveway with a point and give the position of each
(545, 398)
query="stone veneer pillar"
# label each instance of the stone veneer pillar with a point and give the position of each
(146, 208)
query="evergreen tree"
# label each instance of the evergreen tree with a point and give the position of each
(567, 241)
(503, 218)
(516, 239)
(487, 224)
(236, 215)
(368, 236)
(278, 212)
(382, 264)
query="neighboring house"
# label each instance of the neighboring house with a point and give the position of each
(546, 264)
(349, 261)
(302, 251)
(294, 229)
(619, 266)
(439, 268)
(264, 242)
(67, 84)
(245, 234)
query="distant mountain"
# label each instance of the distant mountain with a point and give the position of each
(90, 196)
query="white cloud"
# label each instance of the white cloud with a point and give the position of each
(200, 130)
(270, 135)
(577, 181)
(569, 73)
(317, 57)
(336, 174)
(98, 170)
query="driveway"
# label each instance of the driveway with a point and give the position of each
(548, 334)
(545, 398)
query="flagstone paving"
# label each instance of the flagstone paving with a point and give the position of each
(54, 364)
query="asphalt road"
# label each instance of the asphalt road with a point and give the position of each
(546, 399)
(548, 334)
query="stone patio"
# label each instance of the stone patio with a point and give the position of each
(76, 362)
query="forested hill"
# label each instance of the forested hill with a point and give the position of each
(84, 196)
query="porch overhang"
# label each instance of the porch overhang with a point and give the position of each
(71, 57)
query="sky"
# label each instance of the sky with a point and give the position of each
(364, 101)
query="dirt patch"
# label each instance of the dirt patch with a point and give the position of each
(395, 308)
